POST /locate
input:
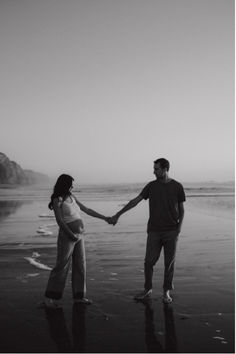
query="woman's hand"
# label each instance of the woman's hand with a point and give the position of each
(81, 227)
(76, 237)
(81, 230)
(112, 220)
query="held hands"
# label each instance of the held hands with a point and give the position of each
(112, 220)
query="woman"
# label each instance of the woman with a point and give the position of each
(70, 243)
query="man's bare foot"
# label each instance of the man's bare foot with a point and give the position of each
(51, 303)
(167, 299)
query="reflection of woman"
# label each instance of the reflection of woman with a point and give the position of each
(70, 243)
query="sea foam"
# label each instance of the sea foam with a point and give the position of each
(32, 260)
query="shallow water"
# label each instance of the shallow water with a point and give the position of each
(207, 236)
(26, 221)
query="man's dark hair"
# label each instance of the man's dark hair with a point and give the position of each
(163, 163)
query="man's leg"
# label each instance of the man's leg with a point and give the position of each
(153, 251)
(170, 239)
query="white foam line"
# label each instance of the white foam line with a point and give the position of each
(48, 216)
(35, 255)
(37, 264)
(43, 231)
(50, 225)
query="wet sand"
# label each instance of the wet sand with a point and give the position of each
(200, 320)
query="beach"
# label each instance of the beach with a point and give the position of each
(201, 317)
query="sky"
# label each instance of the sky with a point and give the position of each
(99, 89)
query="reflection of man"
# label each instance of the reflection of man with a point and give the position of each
(153, 345)
(166, 197)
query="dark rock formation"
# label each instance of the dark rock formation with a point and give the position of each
(12, 173)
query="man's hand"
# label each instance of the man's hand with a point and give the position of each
(112, 220)
(179, 228)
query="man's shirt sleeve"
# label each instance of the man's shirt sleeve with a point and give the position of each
(181, 196)
(145, 192)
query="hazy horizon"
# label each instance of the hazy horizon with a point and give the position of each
(100, 89)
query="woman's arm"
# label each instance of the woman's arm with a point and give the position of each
(61, 223)
(89, 211)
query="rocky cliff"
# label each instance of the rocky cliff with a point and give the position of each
(12, 173)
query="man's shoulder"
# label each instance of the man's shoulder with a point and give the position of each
(152, 183)
(147, 189)
(155, 182)
(148, 184)
(176, 182)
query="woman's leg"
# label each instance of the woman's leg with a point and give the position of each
(58, 275)
(79, 270)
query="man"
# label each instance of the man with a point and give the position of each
(166, 197)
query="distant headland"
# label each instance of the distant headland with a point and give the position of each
(12, 173)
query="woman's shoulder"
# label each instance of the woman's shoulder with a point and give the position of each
(57, 201)
(73, 197)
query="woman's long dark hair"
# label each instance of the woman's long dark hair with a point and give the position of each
(61, 188)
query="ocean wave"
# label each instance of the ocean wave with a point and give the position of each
(48, 216)
(210, 194)
(44, 231)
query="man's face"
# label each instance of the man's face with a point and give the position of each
(159, 172)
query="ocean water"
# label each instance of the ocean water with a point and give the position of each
(204, 275)
(27, 223)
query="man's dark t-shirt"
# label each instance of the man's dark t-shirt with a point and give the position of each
(163, 204)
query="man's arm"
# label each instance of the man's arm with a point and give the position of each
(132, 203)
(181, 216)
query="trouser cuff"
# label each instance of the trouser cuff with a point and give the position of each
(53, 295)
